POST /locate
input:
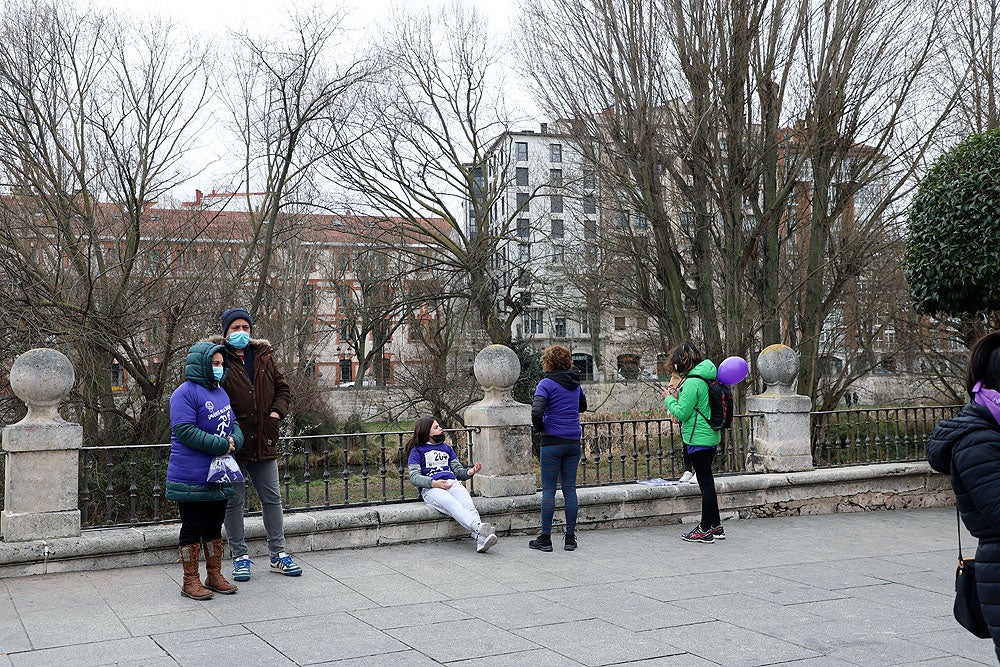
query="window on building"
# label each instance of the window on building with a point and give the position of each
(523, 202)
(589, 229)
(383, 369)
(117, 377)
(558, 231)
(555, 203)
(589, 179)
(558, 254)
(524, 252)
(619, 324)
(555, 152)
(416, 330)
(555, 178)
(344, 329)
(642, 323)
(346, 371)
(589, 204)
(584, 318)
(640, 221)
(523, 228)
(559, 327)
(308, 295)
(687, 222)
(310, 368)
(524, 279)
(521, 151)
(591, 253)
(621, 219)
(521, 176)
(533, 321)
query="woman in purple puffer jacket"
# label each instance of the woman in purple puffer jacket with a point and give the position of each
(555, 415)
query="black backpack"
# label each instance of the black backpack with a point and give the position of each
(720, 403)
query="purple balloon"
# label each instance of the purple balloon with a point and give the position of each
(733, 370)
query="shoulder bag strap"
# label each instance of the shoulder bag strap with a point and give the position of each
(958, 520)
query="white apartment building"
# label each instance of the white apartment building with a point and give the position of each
(554, 249)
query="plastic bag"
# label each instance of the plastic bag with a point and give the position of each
(224, 469)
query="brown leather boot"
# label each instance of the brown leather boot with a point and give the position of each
(213, 563)
(192, 587)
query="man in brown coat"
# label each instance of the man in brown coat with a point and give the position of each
(260, 398)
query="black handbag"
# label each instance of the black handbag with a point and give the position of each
(968, 611)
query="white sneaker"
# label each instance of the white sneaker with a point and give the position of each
(486, 529)
(694, 479)
(686, 477)
(484, 542)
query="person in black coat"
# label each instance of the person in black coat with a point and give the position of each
(968, 448)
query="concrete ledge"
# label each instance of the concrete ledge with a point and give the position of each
(858, 488)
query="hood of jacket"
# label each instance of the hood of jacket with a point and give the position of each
(568, 379)
(198, 367)
(705, 369)
(959, 429)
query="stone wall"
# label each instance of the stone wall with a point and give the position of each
(854, 489)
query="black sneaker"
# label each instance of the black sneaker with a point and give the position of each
(569, 542)
(697, 534)
(542, 543)
(718, 532)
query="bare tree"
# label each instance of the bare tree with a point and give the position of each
(865, 65)
(971, 43)
(287, 98)
(424, 146)
(94, 108)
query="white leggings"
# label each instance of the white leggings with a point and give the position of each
(456, 503)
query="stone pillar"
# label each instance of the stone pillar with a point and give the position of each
(42, 473)
(782, 441)
(503, 444)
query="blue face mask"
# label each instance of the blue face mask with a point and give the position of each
(239, 339)
(218, 372)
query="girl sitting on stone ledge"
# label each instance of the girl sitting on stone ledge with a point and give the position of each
(436, 470)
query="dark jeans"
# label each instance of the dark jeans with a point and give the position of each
(559, 462)
(201, 521)
(702, 461)
(687, 458)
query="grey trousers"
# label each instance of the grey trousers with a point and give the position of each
(264, 476)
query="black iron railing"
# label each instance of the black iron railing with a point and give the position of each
(618, 452)
(876, 435)
(125, 485)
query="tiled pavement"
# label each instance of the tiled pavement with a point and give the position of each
(819, 591)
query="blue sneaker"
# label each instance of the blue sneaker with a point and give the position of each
(284, 564)
(241, 568)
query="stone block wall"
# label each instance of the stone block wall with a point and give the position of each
(741, 497)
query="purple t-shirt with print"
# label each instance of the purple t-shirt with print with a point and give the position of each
(208, 410)
(434, 460)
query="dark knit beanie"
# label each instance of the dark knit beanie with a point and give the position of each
(235, 314)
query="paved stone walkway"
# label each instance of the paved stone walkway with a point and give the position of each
(847, 589)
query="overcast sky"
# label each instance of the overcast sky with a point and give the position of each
(221, 14)
(209, 17)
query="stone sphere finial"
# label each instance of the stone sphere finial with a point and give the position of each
(497, 369)
(42, 377)
(778, 366)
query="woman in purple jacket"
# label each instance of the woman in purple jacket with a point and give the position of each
(555, 415)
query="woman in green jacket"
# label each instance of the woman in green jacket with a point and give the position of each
(688, 402)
